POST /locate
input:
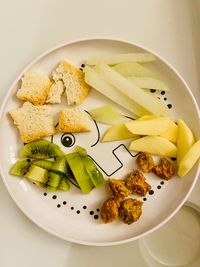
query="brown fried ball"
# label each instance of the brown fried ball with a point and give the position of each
(109, 210)
(135, 182)
(118, 188)
(130, 210)
(165, 169)
(145, 162)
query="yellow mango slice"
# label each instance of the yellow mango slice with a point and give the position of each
(155, 145)
(171, 132)
(117, 132)
(185, 139)
(190, 158)
(147, 117)
(153, 126)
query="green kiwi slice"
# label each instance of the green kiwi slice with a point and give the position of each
(45, 164)
(20, 168)
(41, 149)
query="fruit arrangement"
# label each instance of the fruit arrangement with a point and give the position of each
(47, 166)
(125, 80)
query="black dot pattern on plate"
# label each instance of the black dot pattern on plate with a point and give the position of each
(96, 216)
(64, 202)
(162, 182)
(144, 199)
(45, 194)
(98, 210)
(81, 69)
(169, 106)
(159, 187)
(165, 98)
(84, 207)
(78, 212)
(151, 192)
(91, 212)
(72, 208)
(82, 65)
(54, 196)
(58, 206)
(162, 92)
(152, 90)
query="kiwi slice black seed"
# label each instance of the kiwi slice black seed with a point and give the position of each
(20, 168)
(46, 187)
(41, 149)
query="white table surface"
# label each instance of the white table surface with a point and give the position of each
(28, 28)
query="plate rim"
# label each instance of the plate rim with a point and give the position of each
(27, 213)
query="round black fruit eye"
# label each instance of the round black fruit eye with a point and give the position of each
(68, 140)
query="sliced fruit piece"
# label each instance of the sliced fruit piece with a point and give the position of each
(53, 179)
(142, 98)
(36, 173)
(155, 145)
(107, 114)
(154, 126)
(185, 139)
(41, 149)
(46, 187)
(149, 83)
(133, 69)
(82, 151)
(118, 132)
(92, 170)
(60, 165)
(112, 59)
(93, 79)
(95, 175)
(45, 164)
(190, 158)
(63, 184)
(77, 166)
(20, 168)
(171, 132)
(147, 117)
(70, 177)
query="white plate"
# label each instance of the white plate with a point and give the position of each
(73, 216)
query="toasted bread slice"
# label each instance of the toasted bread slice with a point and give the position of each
(33, 122)
(55, 93)
(74, 120)
(75, 87)
(34, 88)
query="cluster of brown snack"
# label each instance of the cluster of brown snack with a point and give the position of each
(129, 210)
(164, 170)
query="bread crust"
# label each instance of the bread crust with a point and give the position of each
(75, 87)
(34, 88)
(33, 122)
(74, 120)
